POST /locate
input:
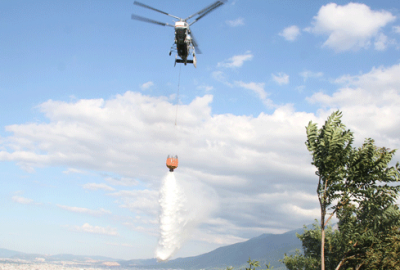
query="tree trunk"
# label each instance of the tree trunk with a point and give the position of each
(322, 203)
(322, 238)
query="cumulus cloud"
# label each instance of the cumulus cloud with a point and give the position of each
(147, 85)
(205, 87)
(370, 103)
(220, 239)
(130, 135)
(234, 23)
(381, 42)
(22, 200)
(222, 77)
(351, 27)
(95, 229)
(290, 33)
(281, 78)
(309, 74)
(252, 162)
(257, 88)
(72, 170)
(120, 244)
(82, 210)
(95, 186)
(144, 224)
(121, 181)
(236, 60)
(295, 210)
(139, 201)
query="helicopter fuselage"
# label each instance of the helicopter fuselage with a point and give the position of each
(182, 39)
(185, 43)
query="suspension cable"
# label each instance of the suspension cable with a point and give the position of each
(177, 96)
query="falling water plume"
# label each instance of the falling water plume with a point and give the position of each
(184, 204)
(172, 219)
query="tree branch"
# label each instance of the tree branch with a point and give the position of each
(334, 211)
(359, 266)
(344, 259)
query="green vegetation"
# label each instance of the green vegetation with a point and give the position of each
(356, 184)
(253, 264)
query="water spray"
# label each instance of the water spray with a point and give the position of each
(185, 202)
(173, 218)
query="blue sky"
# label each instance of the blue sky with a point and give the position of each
(88, 110)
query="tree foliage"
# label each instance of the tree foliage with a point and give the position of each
(253, 264)
(330, 147)
(309, 259)
(356, 184)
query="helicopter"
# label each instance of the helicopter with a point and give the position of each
(185, 43)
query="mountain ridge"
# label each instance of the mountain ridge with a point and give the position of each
(265, 248)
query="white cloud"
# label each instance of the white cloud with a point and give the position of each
(281, 78)
(220, 239)
(257, 88)
(239, 156)
(370, 103)
(236, 60)
(121, 181)
(130, 135)
(300, 88)
(147, 85)
(72, 170)
(290, 33)
(22, 200)
(95, 186)
(82, 210)
(220, 76)
(381, 78)
(309, 74)
(350, 27)
(295, 211)
(120, 244)
(396, 29)
(95, 229)
(381, 42)
(234, 23)
(206, 88)
(139, 201)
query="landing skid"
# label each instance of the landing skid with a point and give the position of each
(186, 62)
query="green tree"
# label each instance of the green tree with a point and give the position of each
(355, 248)
(356, 185)
(387, 254)
(311, 243)
(330, 147)
(368, 213)
(253, 264)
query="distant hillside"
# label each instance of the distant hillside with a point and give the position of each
(6, 253)
(12, 254)
(264, 248)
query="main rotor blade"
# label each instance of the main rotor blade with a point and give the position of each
(205, 11)
(149, 7)
(143, 19)
(195, 44)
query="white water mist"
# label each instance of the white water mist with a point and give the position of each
(172, 219)
(184, 204)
